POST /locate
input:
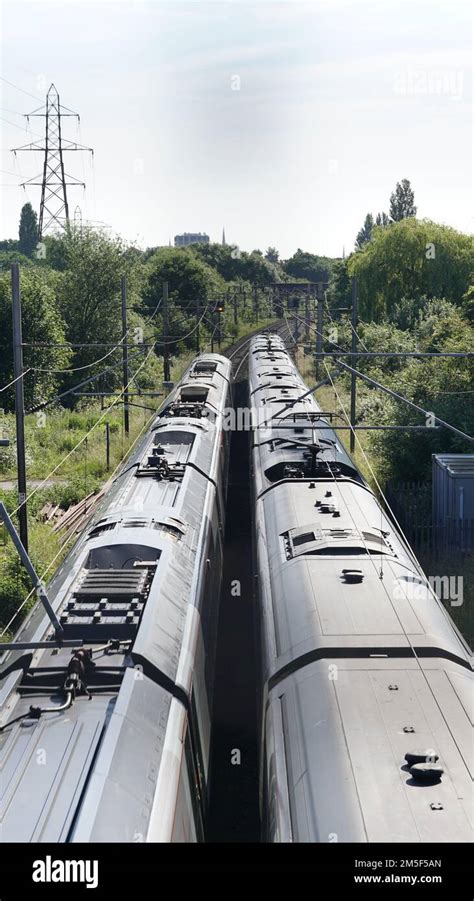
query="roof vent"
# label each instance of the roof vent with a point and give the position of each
(327, 508)
(328, 494)
(101, 527)
(353, 575)
(426, 772)
(428, 756)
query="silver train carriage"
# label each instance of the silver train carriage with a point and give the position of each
(366, 683)
(109, 741)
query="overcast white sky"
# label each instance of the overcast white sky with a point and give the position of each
(338, 100)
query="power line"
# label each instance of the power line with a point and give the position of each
(91, 378)
(17, 88)
(15, 380)
(378, 385)
(79, 368)
(25, 128)
(14, 112)
(390, 391)
(6, 172)
(104, 414)
(116, 347)
(405, 400)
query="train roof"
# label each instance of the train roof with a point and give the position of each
(291, 431)
(361, 662)
(128, 589)
(348, 725)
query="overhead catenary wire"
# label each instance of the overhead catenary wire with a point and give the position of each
(21, 376)
(392, 393)
(181, 337)
(292, 337)
(84, 438)
(118, 346)
(400, 397)
(52, 400)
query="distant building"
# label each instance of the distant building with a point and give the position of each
(190, 238)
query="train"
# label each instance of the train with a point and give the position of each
(105, 723)
(365, 720)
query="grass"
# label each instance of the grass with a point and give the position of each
(54, 448)
(55, 445)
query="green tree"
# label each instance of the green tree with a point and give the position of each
(339, 291)
(57, 251)
(383, 336)
(189, 279)
(441, 386)
(28, 230)
(402, 201)
(382, 219)
(410, 259)
(236, 265)
(271, 255)
(89, 293)
(468, 302)
(365, 232)
(42, 323)
(9, 245)
(307, 266)
(192, 284)
(7, 257)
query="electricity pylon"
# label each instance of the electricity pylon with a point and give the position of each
(54, 209)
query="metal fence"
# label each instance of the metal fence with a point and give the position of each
(411, 504)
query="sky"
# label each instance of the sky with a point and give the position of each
(284, 122)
